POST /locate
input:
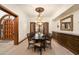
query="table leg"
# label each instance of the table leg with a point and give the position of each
(40, 51)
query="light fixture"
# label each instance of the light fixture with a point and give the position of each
(39, 18)
(39, 9)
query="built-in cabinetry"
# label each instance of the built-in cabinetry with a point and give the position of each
(32, 27)
(71, 42)
(44, 28)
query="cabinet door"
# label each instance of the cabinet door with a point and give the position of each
(32, 27)
(46, 28)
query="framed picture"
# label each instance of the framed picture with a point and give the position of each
(66, 23)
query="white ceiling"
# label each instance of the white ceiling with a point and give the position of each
(50, 9)
(29, 9)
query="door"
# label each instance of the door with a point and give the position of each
(32, 27)
(45, 28)
(8, 29)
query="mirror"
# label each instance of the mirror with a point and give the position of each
(66, 24)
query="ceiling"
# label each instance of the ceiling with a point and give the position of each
(29, 9)
(50, 9)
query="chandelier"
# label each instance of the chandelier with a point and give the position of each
(39, 18)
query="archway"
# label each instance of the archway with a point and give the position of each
(7, 30)
(15, 21)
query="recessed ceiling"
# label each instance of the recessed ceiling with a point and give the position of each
(29, 9)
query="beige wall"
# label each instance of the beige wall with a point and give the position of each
(2, 13)
(75, 23)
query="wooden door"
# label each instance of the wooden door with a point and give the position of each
(8, 28)
(32, 27)
(45, 28)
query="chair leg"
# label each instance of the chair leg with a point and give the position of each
(28, 45)
(50, 46)
(35, 48)
(44, 49)
(40, 49)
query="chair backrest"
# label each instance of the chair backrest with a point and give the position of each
(49, 36)
(28, 36)
(32, 34)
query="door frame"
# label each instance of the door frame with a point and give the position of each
(3, 8)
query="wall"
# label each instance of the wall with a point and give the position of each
(75, 23)
(2, 13)
(22, 20)
(62, 10)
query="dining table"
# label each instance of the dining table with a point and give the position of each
(39, 37)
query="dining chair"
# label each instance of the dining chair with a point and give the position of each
(39, 46)
(32, 34)
(30, 41)
(48, 40)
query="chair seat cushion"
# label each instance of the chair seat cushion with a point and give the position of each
(48, 41)
(31, 41)
(37, 44)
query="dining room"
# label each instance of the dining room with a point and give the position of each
(39, 29)
(42, 29)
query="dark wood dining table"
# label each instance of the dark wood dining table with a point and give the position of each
(40, 38)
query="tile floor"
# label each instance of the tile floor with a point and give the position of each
(21, 49)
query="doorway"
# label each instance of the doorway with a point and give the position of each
(7, 30)
(9, 25)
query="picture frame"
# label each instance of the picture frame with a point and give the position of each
(66, 24)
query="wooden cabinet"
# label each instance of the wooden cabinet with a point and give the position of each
(45, 27)
(69, 41)
(32, 27)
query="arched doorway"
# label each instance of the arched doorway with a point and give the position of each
(7, 30)
(9, 13)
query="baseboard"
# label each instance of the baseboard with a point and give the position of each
(23, 40)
